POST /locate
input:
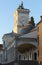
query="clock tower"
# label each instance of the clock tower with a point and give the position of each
(21, 18)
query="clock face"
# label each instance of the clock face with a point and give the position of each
(24, 21)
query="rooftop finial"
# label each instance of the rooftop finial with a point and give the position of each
(22, 3)
(21, 6)
(41, 17)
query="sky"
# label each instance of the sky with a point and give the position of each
(7, 9)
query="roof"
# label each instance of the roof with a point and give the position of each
(27, 29)
(31, 34)
(12, 34)
(39, 22)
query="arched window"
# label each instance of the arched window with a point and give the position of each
(19, 57)
(35, 56)
(24, 57)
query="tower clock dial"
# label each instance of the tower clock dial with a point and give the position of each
(23, 20)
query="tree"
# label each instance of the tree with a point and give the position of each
(32, 21)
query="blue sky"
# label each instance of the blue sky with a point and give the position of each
(7, 9)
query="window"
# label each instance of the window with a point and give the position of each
(38, 53)
(4, 42)
(19, 57)
(35, 56)
(40, 63)
(38, 29)
(30, 54)
(24, 57)
(5, 55)
(38, 39)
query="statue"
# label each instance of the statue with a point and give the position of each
(21, 6)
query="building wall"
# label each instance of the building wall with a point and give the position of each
(7, 40)
(7, 49)
(40, 41)
(10, 55)
(0, 56)
(15, 21)
(12, 51)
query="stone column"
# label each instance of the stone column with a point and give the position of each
(16, 52)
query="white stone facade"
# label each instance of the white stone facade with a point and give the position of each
(17, 46)
(12, 49)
